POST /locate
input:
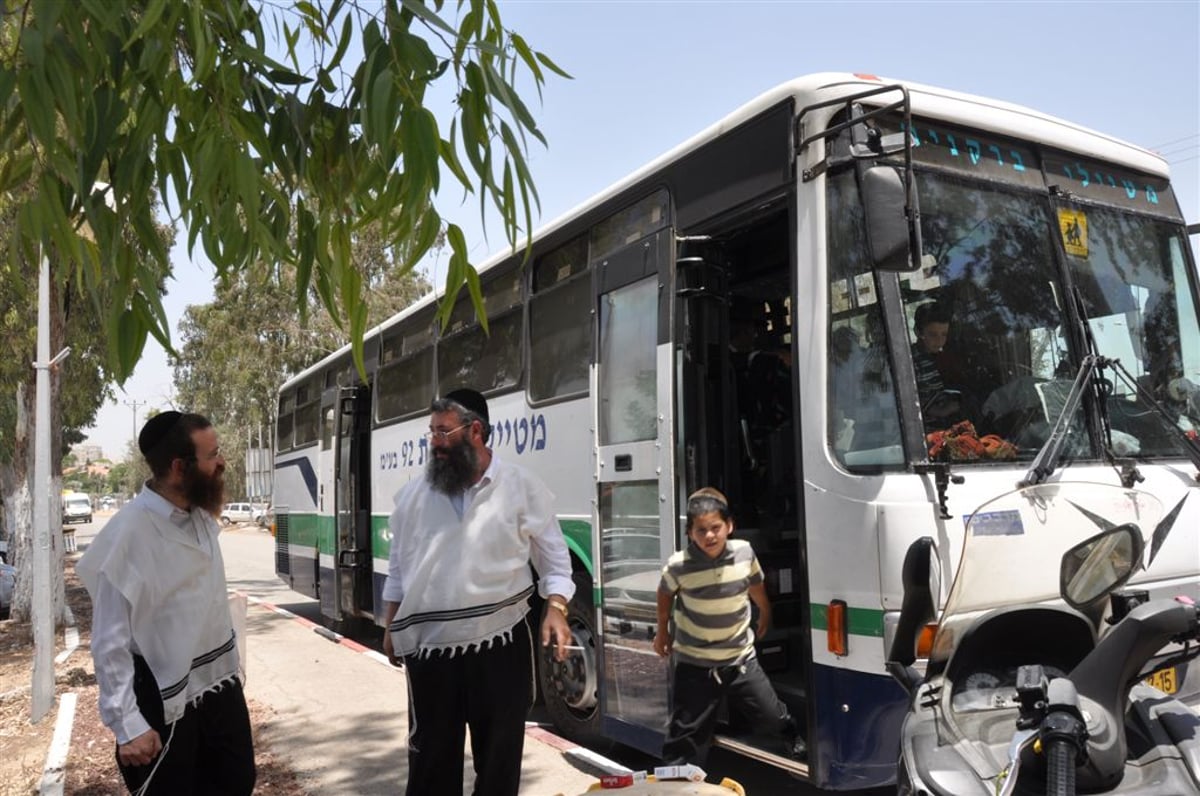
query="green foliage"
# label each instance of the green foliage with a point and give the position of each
(236, 352)
(108, 105)
(126, 477)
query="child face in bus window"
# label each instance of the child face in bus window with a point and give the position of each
(933, 336)
(709, 532)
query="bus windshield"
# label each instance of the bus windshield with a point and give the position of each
(990, 317)
(1031, 259)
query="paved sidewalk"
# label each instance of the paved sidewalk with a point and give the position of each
(341, 715)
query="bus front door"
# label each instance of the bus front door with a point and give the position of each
(635, 508)
(353, 581)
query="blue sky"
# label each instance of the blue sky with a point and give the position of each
(648, 75)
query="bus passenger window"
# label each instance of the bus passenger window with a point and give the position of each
(488, 361)
(283, 423)
(863, 421)
(560, 332)
(560, 322)
(403, 387)
(864, 427)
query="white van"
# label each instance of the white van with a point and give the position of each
(237, 512)
(77, 508)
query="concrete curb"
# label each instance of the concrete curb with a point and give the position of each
(71, 639)
(54, 772)
(580, 755)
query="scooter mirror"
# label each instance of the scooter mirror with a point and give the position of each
(921, 578)
(1093, 568)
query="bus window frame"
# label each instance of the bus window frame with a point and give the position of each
(582, 278)
(287, 398)
(509, 269)
(406, 330)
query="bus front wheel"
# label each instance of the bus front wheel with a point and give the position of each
(570, 688)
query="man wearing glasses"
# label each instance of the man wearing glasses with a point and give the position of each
(456, 599)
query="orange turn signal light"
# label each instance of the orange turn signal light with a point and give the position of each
(837, 636)
(925, 640)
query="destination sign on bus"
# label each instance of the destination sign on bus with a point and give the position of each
(1101, 182)
(975, 152)
(970, 150)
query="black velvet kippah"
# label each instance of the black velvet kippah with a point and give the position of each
(156, 429)
(470, 399)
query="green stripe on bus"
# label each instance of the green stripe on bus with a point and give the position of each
(311, 530)
(326, 531)
(578, 534)
(579, 540)
(380, 543)
(302, 529)
(862, 621)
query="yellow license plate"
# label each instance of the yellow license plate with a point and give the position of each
(1164, 681)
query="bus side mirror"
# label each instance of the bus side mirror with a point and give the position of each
(920, 577)
(893, 222)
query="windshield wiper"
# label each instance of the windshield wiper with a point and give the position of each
(1047, 458)
(1191, 447)
(1051, 452)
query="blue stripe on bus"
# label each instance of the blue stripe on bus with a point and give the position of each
(306, 472)
(856, 747)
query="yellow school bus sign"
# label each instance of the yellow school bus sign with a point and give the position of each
(1073, 224)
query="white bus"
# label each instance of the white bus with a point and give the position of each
(644, 352)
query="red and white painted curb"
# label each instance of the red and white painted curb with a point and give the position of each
(320, 630)
(580, 754)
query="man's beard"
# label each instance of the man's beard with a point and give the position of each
(454, 472)
(206, 491)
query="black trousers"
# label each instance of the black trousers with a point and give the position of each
(697, 692)
(490, 691)
(210, 753)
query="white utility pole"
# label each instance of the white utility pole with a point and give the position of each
(134, 406)
(41, 608)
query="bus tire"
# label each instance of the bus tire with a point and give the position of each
(571, 688)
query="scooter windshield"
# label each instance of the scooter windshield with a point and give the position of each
(1014, 545)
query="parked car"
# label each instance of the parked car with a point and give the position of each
(264, 516)
(237, 512)
(8, 582)
(77, 509)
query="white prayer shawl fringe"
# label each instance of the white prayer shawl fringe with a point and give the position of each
(462, 649)
(212, 689)
(179, 609)
(461, 631)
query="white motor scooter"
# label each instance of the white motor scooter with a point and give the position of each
(1023, 694)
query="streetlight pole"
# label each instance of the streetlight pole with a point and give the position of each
(41, 607)
(134, 406)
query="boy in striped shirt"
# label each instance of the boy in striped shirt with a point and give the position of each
(710, 585)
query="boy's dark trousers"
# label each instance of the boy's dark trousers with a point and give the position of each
(209, 751)
(697, 692)
(490, 690)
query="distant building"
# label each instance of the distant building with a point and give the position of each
(86, 452)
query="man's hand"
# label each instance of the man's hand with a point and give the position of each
(389, 613)
(555, 630)
(662, 643)
(141, 750)
(764, 624)
(389, 650)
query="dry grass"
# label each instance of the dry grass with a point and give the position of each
(91, 762)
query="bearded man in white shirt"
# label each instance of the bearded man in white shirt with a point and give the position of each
(456, 601)
(162, 638)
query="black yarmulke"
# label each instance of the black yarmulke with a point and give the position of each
(156, 429)
(470, 399)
